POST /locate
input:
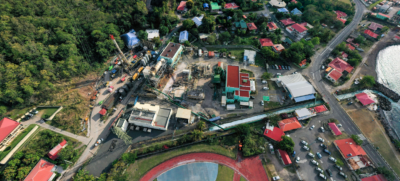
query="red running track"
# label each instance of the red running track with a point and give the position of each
(236, 177)
(251, 168)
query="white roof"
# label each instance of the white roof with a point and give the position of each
(203, 35)
(183, 113)
(278, 3)
(297, 85)
(251, 55)
(303, 112)
(197, 20)
(152, 34)
(252, 85)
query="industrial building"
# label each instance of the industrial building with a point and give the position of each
(172, 53)
(237, 86)
(130, 39)
(298, 88)
(304, 113)
(148, 116)
(184, 115)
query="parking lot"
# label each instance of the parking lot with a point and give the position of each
(307, 170)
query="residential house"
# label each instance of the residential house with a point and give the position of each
(378, 177)
(375, 26)
(206, 6)
(307, 25)
(381, 16)
(43, 171)
(296, 12)
(293, 1)
(334, 75)
(266, 42)
(53, 154)
(183, 36)
(249, 56)
(198, 20)
(172, 53)
(273, 133)
(320, 108)
(278, 48)
(364, 99)
(9, 129)
(341, 16)
(303, 63)
(335, 130)
(289, 124)
(370, 35)
(384, 8)
(215, 7)
(344, 55)
(237, 86)
(283, 10)
(241, 25)
(354, 154)
(297, 87)
(287, 22)
(272, 26)
(152, 34)
(351, 47)
(339, 68)
(231, 6)
(297, 30)
(285, 157)
(252, 27)
(277, 3)
(203, 36)
(182, 7)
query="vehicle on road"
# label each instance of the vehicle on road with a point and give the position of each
(278, 74)
(323, 146)
(342, 174)
(322, 129)
(265, 88)
(322, 67)
(311, 155)
(271, 148)
(319, 170)
(280, 68)
(329, 172)
(289, 67)
(319, 155)
(262, 103)
(264, 81)
(314, 162)
(320, 139)
(350, 103)
(306, 148)
(297, 159)
(327, 151)
(304, 142)
(322, 176)
(276, 178)
(332, 159)
(294, 154)
(312, 127)
(338, 167)
(251, 97)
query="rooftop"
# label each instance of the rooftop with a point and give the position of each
(215, 6)
(340, 14)
(43, 171)
(170, 50)
(6, 127)
(231, 6)
(183, 113)
(289, 124)
(182, 6)
(53, 154)
(277, 3)
(296, 11)
(299, 28)
(335, 75)
(152, 34)
(274, 133)
(303, 112)
(287, 22)
(297, 85)
(349, 148)
(378, 177)
(279, 47)
(374, 26)
(285, 157)
(320, 108)
(241, 24)
(266, 42)
(251, 26)
(351, 47)
(335, 129)
(364, 98)
(371, 34)
(232, 76)
(184, 35)
(283, 10)
(341, 65)
(272, 26)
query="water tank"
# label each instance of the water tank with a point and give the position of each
(130, 85)
(186, 71)
(145, 48)
(126, 88)
(122, 92)
(158, 66)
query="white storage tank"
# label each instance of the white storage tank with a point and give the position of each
(230, 107)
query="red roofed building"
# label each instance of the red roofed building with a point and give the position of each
(285, 157)
(43, 171)
(287, 22)
(278, 48)
(274, 133)
(344, 55)
(341, 14)
(103, 112)
(237, 85)
(351, 47)
(364, 99)
(303, 63)
(341, 20)
(335, 130)
(334, 75)
(354, 154)
(53, 154)
(9, 129)
(341, 65)
(289, 124)
(251, 26)
(266, 42)
(397, 37)
(182, 6)
(294, 1)
(375, 26)
(378, 177)
(297, 30)
(272, 26)
(320, 108)
(211, 54)
(370, 34)
(231, 6)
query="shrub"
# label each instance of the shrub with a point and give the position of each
(357, 139)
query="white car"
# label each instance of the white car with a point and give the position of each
(322, 129)
(320, 139)
(304, 142)
(276, 178)
(264, 81)
(265, 88)
(314, 162)
(306, 148)
(262, 103)
(311, 155)
(322, 176)
(297, 159)
(312, 127)
(319, 170)
(332, 159)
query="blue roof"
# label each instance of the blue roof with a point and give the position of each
(130, 39)
(215, 118)
(205, 5)
(184, 35)
(304, 98)
(283, 10)
(295, 11)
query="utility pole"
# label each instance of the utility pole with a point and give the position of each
(121, 54)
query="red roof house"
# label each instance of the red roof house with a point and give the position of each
(103, 112)
(341, 20)
(303, 63)
(364, 99)
(289, 124)
(299, 28)
(7, 126)
(294, 1)
(231, 6)
(285, 157)
(43, 171)
(349, 148)
(278, 48)
(334, 75)
(251, 26)
(53, 154)
(211, 54)
(182, 6)
(320, 108)
(378, 177)
(370, 34)
(274, 133)
(351, 47)
(341, 65)
(287, 22)
(344, 55)
(335, 129)
(375, 26)
(341, 14)
(272, 26)
(266, 42)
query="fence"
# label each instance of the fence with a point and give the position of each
(233, 47)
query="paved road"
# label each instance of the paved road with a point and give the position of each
(337, 111)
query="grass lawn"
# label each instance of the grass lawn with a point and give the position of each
(48, 111)
(251, 74)
(271, 105)
(237, 53)
(345, 1)
(17, 113)
(16, 141)
(225, 173)
(242, 179)
(272, 85)
(142, 166)
(259, 60)
(374, 132)
(374, 4)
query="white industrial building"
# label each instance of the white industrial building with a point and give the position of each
(250, 56)
(298, 88)
(152, 34)
(304, 113)
(184, 115)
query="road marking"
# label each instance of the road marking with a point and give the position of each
(313, 75)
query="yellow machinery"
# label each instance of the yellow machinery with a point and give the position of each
(140, 69)
(135, 76)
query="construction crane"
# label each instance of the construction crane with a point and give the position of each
(123, 58)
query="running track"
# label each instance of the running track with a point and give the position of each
(251, 168)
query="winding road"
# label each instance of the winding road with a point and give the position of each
(336, 110)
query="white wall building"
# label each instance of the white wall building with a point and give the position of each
(152, 34)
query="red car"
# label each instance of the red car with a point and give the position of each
(280, 67)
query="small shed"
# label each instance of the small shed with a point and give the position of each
(211, 54)
(184, 115)
(183, 36)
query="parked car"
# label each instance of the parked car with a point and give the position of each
(278, 74)
(319, 155)
(280, 68)
(329, 172)
(323, 146)
(322, 129)
(312, 127)
(322, 176)
(265, 88)
(350, 103)
(276, 178)
(251, 97)
(342, 174)
(262, 103)
(289, 67)
(320, 139)
(304, 142)
(311, 155)
(332, 159)
(264, 81)
(34, 112)
(314, 162)
(327, 151)
(319, 170)
(322, 67)
(306, 148)
(338, 167)
(297, 159)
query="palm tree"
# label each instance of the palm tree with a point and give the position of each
(201, 125)
(197, 135)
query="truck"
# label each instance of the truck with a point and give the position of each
(109, 102)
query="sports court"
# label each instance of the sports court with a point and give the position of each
(198, 171)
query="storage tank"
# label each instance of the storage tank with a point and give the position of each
(126, 88)
(146, 71)
(186, 71)
(130, 85)
(157, 67)
(122, 92)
